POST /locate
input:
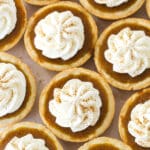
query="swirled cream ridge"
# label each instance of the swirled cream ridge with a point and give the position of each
(8, 17)
(12, 88)
(27, 142)
(59, 35)
(111, 3)
(76, 106)
(129, 51)
(139, 125)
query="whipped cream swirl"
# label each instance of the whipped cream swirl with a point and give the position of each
(12, 89)
(59, 35)
(129, 52)
(27, 142)
(8, 17)
(139, 125)
(111, 3)
(76, 105)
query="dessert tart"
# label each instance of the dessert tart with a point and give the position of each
(61, 36)
(40, 2)
(17, 90)
(134, 120)
(148, 7)
(122, 54)
(13, 22)
(112, 10)
(28, 135)
(104, 143)
(77, 105)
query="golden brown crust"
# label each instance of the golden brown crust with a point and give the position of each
(30, 91)
(148, 7)
(105, 142)
(37, 130)
(107, 111)
(115, 13)
(124, 117)
(121, 81)
(14, 37)
(58, 64)
(41, 2)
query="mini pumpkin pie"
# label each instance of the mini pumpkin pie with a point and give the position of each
(148, 7)
(28, 136)
(112, 9)
(104, 143)
(134, 120)
(13, 22)
(77, 105)
(41, 2)
(122, 54)
(61, 36)
(17, 90)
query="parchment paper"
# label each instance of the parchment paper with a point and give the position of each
(43, 77)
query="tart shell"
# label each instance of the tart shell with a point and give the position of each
(118, 80)
(104, 143)
(107, 110)
(58, 64)
(124, 118)
(148, 7)
(14, 37)
(41, 2)
(104, 12)
(26, 107)
(38, 131)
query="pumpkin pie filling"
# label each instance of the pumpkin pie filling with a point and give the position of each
(90, 30)
(106, 68)
(47, 95)
(121, 11)
(11, 39)
(30, 91)
(30, 128)
(124, 118)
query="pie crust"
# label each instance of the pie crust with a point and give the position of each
(104, 12)
(38, 131)
(118, 80)
(107, 110)
(41, 2)
(26, 107)
(14, 37)
(104, 143)
(148, 7)
(58, 64)
(124, 118)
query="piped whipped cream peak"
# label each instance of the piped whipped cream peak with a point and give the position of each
(76, 106)
(139, 125)
(59, 35)
(129, 51)
(27, 142)
(111, 3)
(8, 17)
(12, 88)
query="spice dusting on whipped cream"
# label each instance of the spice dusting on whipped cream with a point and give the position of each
(129, 51)
(59, 35)
(76, 106)
(8, 17)
(111, 3)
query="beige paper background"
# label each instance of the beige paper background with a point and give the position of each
(43, 77)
